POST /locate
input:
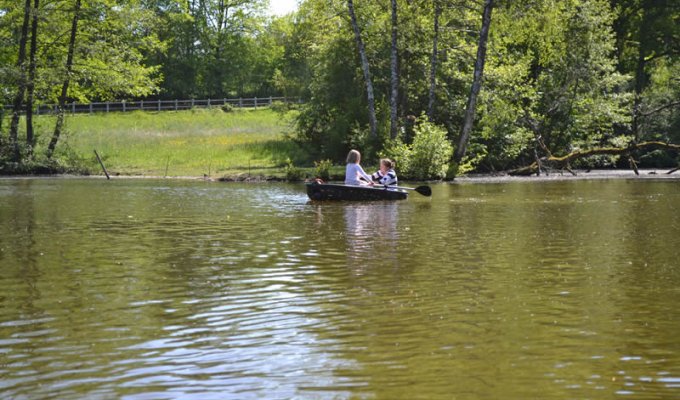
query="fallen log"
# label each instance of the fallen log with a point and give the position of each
(563, 162)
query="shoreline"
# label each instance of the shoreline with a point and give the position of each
(604, 174)
(595, 174)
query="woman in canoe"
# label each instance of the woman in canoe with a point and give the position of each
(354, 172)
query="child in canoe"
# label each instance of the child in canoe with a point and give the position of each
(353, 171)
(386, 175)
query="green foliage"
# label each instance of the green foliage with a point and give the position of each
(475, 155)
(553, 79)
(399, 152)
(281, 107)
(293, 173)
(66, 160)
(323, 168)
(565, 73)
(660, 118)
(218, 49)
(430, 152)
(427, 157)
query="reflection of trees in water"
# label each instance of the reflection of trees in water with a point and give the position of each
(20, 260)
(371, 234)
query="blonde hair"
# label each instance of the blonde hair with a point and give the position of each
(353, 157)
(389, 164)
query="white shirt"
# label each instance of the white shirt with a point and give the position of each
(352, 174)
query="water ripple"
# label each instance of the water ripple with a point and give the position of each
(170, 290)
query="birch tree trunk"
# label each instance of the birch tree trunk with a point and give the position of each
(372, 121)
(67, 79)
(394, 81)
(21, 86)
(476, 82)
(433, 61)
(30, 88)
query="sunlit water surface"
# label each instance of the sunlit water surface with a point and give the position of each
(159, 289)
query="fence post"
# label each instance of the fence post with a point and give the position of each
(141, 106)
(192, 102)
(73, 107)
(107, 107)
(240, 102)
(123, 105)
(270, 101)
(175, 104)
(159, 104)
(255, 102)
(208, 102)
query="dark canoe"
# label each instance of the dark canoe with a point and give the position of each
(333, 191)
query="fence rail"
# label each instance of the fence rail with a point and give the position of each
(158, 105)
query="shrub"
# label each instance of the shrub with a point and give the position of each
(293, 173)
(280, 106)
(323, 169)
(400, 153)
(430, 152)
(427, 157)
(227, 107)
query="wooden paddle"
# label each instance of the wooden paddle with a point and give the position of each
(424, 190)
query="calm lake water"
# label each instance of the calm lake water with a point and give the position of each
(162, 289)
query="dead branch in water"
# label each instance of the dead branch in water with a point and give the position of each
(563, 162)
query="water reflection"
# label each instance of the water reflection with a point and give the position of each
(371, 234)
(162, 289)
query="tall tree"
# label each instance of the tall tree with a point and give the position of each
(372, 120)
(67, 80)
(30, 89)
(476, 82)
(394, 74)
(21, 85)
(433, 61)
(214, 48)
(648, 38)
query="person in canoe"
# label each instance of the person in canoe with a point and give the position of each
(385, 175)
(353, 171)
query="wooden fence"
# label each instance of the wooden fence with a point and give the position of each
(159, 105)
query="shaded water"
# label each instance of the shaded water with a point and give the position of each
(161, 289)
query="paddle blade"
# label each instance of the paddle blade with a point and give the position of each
(424, 190)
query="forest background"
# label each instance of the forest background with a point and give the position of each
(443, 87)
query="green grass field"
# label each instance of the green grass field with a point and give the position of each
(183, 143)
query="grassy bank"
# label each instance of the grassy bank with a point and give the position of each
(183, 143)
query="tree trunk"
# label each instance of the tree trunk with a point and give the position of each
(372, 121)
(30, 138)
(640, 74)
(476, 82)
(67, 79)
(394, 75)
(433, 62)
(21, 86)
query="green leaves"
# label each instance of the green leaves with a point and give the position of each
(427, 157)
